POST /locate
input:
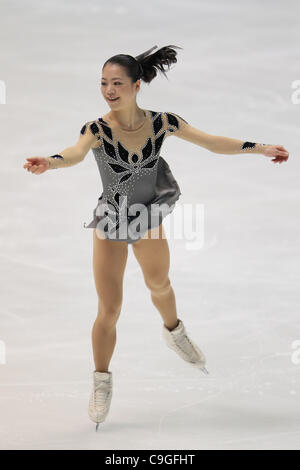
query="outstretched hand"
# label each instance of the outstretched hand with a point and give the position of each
(36, 165)
(279, 153)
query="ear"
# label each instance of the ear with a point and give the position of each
(138, 84)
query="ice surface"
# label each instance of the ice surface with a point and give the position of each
(238, 295)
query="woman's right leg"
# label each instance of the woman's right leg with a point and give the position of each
(109, 261)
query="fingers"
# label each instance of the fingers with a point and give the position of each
(32, 161)
(283, 154)
(280, 147)
(35, 165)
(36, 169)
(279, 159)
(282, 151)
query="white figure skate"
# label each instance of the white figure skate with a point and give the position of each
(100, 398)
(178, 340)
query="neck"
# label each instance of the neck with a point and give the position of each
(128, 118)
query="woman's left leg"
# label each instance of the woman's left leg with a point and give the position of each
(153, 256)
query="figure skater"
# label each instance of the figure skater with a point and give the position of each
(139, 190)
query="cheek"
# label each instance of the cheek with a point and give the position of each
(126, 92)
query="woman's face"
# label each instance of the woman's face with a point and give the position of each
(116, 84)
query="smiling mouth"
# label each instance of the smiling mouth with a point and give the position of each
(113, 99)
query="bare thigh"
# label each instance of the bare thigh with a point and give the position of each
(153, 256)
(109, 262)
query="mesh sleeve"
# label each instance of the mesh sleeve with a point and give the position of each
(174, 123)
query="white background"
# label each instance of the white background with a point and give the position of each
(238, 295)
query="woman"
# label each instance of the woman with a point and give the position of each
(126, 143)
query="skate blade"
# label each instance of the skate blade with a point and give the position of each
(202, 368)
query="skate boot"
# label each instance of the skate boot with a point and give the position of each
(100, 398)
(178, 340)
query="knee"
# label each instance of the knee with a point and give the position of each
(108, 314)
(158, 285)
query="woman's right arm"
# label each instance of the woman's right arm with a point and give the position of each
(67, 157)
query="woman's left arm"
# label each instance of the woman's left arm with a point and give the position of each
(229, 146)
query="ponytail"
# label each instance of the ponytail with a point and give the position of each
(166, 56)
(145, 65)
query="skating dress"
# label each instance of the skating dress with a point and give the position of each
(139, 189)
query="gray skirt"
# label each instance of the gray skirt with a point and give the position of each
(130, 228)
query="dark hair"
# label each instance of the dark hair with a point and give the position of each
(145, 66)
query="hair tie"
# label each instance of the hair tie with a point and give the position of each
(142, 56)
(141, 68)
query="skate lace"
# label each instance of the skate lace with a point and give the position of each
(184, 343)
(101, 393)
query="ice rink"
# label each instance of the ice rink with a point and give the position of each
(237, 293)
